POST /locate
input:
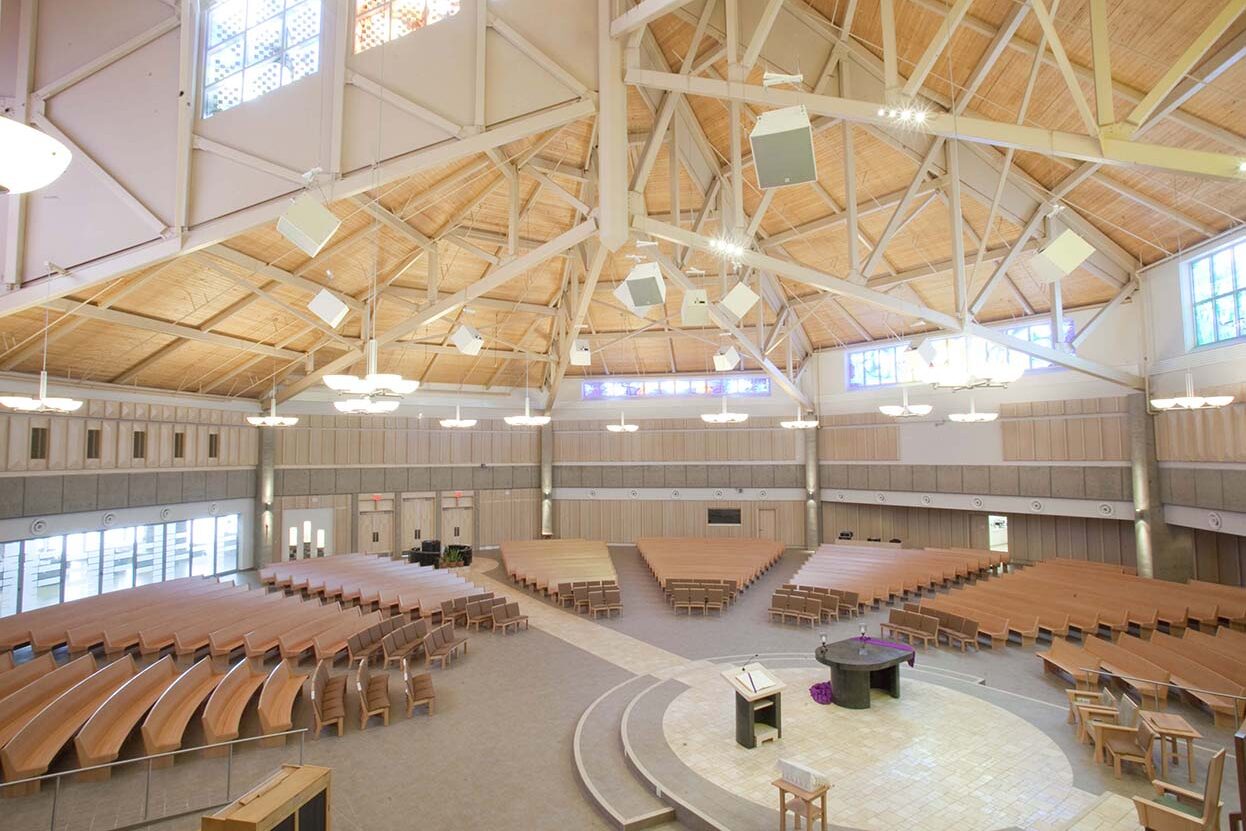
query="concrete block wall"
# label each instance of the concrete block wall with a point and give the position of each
(1059, 481)
(44, 495)
(357, 480)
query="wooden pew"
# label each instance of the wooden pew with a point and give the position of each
(295, 642)
(223, 640)
(18, 708)
(1198, 681)
(194, 632)
(118, 632)
(229, 700)
(266, 637)
(6, 661)
(23, 674)
(1145, 676)
(31, 750)
(993, 626)
(331, 643)
(165, 725)
(1223, 643)
(52, 622)
(277, 700)
(100, 739)
(1074, 661)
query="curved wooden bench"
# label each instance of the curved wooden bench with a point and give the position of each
(229, 700)
(191, 634)
(266, 637)
(1199, 681)
(166, 723)
(1116, 659)
(100, 739)
(1074, 661)
(294, 642)
(276, 707)
(20, 707)
(32, 749)
(329, 644)
(225, 639)
(119, 631)
(19, 676)
(6, 661)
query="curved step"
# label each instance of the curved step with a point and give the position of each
(603, 769)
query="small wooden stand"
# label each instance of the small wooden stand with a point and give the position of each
(802, 802)
(758, 713)
(295, 798)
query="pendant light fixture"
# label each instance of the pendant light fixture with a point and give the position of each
(724, 417)
(622, 426)
(905, 410)
(29, 159)
(42, 404)
(973, 416)
(272, 419)
(527, 419)
(1190, 401)
(458, 422)
(799, 423)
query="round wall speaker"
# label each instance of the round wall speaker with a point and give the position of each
(881, 497)
(1214, 521)
(927, 499)
(635, 494)
(212, 509)
(109, 519)
(1106, 510)
(165, 513)
(976, 502)
(38, 526)
(1036, 505)
(592, 494)
(762, 494)
(674, 494)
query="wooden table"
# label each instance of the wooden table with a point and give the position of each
(807, 798)
(1172, 727)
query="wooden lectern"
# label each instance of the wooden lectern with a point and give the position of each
(758, 704)
(295, 798)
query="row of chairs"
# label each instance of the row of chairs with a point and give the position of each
(700, 597)
(497, 613)
(960, 631)
(456, 610)
(801, 607)
(576, 594)
(328, 695)
(606, 598)
(911, 626)
(849, 602)
(730, 588)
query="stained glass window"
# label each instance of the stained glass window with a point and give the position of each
(740, 385)
(378, 21)
(255, 46)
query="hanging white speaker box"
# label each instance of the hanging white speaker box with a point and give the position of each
(580, 354)
(726, 359)
(782, 142)
(1060, 257)
(468, 340)
(326, 306)
(308, 224)
(643, 288)
(694, 310)
(740, 300)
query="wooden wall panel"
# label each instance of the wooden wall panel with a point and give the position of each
(915, 527)
(861, 437)
(625, 520)
(1219, 558)
(1202, 435)
(508, 515)
(1079, 430)
(354, 441)
(676, 440)
(117, 423)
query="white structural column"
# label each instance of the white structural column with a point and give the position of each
(1160, 553)
(15, 224)
(611, 132)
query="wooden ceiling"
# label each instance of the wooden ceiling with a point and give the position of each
(149, 328)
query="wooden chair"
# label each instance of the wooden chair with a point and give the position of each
(597, 603)
(510, 618)
(479, 614)
(778, 605)
(419, 687)
(614, 600)
(1127, 744)
(373, 691)
(1103, 699)
(715, 600)
(328, 699)
(682, 599)
(566, 595)
(580, 595)
(1178, 809)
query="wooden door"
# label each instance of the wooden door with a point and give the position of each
(456, 526)
(376, 532)
(767, 525)
(417, 521)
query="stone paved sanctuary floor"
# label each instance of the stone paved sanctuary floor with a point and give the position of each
(935, 758)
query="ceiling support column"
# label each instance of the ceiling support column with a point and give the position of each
(813, 491)
(263, 541)
(1160, 553)
(546, 440)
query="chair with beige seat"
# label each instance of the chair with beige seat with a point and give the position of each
(1126, 744)
(419, 689)
(1178, 809)
(328, 699)
(373, 691)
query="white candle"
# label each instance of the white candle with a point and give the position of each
(294, 536)
(320, 538)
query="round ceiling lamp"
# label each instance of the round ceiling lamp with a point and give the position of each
(29, 159)
(458, 422)
(1190, 401)
(272, 419)
(622, 426)
(375, 393)
(973, 416)
(42, 404)
(527, 419)
(799, 423)
(724, 417)
(905, 410)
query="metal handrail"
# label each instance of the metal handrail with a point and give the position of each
(229, 770)
(1102, 671)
